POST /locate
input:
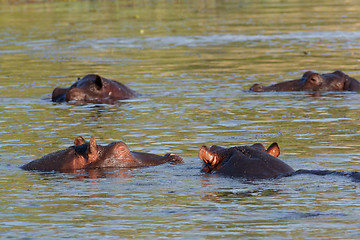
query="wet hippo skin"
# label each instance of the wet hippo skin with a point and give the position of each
(244, 161)
(254, 162)
(89, 155)
(312, 81)
(93, 89)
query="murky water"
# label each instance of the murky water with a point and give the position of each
(192, 61)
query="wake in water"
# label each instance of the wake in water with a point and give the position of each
(355, 176)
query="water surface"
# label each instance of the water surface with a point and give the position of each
(193, 63)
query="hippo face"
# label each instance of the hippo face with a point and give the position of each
(89, 155)
(93, 88)
(312, 81)
(244, 161)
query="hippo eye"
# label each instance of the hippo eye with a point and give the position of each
(315, 79)
(307, 74)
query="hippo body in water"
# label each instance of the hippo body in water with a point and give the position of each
(89, 155)
(93, 89)
(312, 81)
(254, 162)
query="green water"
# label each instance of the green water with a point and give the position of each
(193, 62)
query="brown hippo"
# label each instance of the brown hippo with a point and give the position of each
(89, 155)
(312, 81)
(93, 89)
(244, 161)
(254, 162)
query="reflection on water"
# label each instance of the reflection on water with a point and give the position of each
(230, 196)
(93, 173)
(193, 62)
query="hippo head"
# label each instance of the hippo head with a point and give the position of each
(90, 88)
(93, 88)
(79, 156)
(89, 155)
(312, 81)
(244, 161)
(216, 154)
(335, 81)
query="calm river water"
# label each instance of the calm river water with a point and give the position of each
(193, 62)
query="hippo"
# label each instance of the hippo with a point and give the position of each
(244, 161)
(93, 89)
(312, 81)
(89, 155)
(254, 162)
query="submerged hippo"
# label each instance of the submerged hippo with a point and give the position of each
(95, 89)
(312, 81)
(254, 162)
(89, 155)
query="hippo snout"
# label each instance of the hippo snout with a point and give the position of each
(207, 156)
(257, 88)
(173, 158)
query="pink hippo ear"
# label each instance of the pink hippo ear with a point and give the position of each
(92, 151)
(79, 141)
(273, 150)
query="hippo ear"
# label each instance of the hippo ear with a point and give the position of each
(92, 147)
(98, 82)
(273, 150)
(79, 141)
(92, 150)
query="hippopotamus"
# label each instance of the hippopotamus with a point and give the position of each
(244, 161)
(89, 155)
(312, 81)
(254, 162)
(93, 89)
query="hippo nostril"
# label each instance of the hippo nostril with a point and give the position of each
(75, 94)
(257, 88)
(174, 158)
